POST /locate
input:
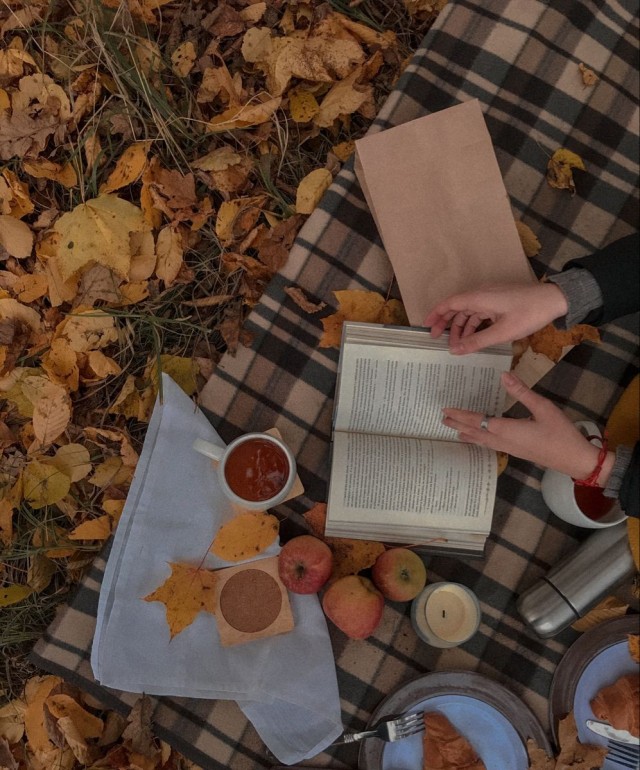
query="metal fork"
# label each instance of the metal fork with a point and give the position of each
(390, 729)
(624, 754)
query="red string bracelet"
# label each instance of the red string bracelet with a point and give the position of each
(592, 478)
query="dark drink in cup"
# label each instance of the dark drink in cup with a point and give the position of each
(592, 501)
(256, 469)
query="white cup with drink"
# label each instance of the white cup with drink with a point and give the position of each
(256, 470)
(580, 505)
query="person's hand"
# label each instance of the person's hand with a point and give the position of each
(547, 438)
(514, 311)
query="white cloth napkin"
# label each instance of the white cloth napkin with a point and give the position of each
(286, 685)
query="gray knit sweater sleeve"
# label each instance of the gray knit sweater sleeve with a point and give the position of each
(582, 292)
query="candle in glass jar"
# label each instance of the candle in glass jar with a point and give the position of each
(445, 614)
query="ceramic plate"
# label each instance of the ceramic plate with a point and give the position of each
(596, 659)
(494, 721)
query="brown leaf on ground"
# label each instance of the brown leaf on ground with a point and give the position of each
(589, 77)
(24, 136)
(550, 341)
(138, 733)
(538, 758)
(37, 691)
(350, 556)
(609, 608)
(302, 301)
(129, 168)
(358, 305)
(186, 593)
(273, 245)
(573, 754)
(316, 518)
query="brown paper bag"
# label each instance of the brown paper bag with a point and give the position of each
(434, 188)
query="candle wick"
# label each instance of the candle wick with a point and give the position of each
(444, 614)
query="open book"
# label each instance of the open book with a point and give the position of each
(397, 473)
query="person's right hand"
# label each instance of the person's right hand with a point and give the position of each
(514, 311)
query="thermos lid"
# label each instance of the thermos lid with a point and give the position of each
(546, 610)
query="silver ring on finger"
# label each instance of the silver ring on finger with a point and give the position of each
(484, 423)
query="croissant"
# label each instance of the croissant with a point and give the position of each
(619, 704)
(445, 748)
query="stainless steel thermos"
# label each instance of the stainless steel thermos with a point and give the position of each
(575, 585)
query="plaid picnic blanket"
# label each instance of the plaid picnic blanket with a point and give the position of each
(520, 59)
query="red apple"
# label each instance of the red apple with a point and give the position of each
(304, 564)
(355, 605)
(399, 574)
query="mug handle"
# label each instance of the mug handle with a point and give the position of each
(208, 449)
(589, 430)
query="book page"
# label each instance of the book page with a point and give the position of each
(400, 392)
(375, 479)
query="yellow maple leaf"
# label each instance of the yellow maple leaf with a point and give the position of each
(311, 189)
(358, 305)
(97, 231)
(559, 169)
(246, 535)
(185, 593)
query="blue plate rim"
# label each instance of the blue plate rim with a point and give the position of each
(467, 683)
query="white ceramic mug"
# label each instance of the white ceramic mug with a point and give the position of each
(222, 454)
(558, 491)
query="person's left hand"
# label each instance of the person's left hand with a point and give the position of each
(547, 438)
